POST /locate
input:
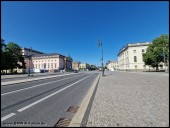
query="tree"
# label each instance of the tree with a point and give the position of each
(108, 62)
(156, 50)
(13, 56)
(3, 56)
(2, 44)
(93, 67)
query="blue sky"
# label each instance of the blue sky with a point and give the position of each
(73, 27)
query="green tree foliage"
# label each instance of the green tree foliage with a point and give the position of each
(13, 55)
(93, 67)
(156, 50)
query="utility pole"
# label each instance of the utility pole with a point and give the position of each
(100, 45)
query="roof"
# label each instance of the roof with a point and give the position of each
(133, 45)
(48, 54)
(32, 50)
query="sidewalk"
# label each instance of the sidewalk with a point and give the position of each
(127, 99)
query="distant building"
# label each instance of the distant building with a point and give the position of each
(84, 66)
(76, 65)
(48, 62)
(51, 62)
(112, 65)
(26, 52)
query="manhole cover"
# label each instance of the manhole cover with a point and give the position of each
(73, 109)
(63, 122)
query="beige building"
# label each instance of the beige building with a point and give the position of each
(130, 57)
(112, 65)
(76, 65)
(26, 52)
(84, 66)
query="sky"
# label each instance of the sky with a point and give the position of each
(74, 27)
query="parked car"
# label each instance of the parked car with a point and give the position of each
(75, 71)
(37, 70)
(31, 70)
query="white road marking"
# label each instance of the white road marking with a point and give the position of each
(36, 102)
(7, 116)
(36, 86)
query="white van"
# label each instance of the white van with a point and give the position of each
(37, 70)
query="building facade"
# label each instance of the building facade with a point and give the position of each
(76, 65)
(130, 57)
(84, 66)
(112, 65)
(51, 62)
(27, 53)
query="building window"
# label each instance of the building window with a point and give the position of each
(55, 66)
(134, 51)
(136, 66)
(51, 65)
(143, 50)
(48, 65)
(135, 59)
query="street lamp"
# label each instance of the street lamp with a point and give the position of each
(167, 46)
(100, 45)
(164, 58)
(29, 57)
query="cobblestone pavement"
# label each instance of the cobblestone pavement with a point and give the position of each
(131, 100)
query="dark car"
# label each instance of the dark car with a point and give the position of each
(76, 71)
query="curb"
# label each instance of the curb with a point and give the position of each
(78, 117)
(34, 79)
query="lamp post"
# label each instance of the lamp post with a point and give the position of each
(29, 57)
(65, 63)
(167, 59)
(164, 58)
(100, 45)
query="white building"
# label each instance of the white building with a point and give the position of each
(130, 57)
(84, 66)
(112, 65)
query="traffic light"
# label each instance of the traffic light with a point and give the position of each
(99, 43)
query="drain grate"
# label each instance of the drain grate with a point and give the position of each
(63, 122)
(73, 109)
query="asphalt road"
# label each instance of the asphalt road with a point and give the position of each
(25, 76)
(44, 102)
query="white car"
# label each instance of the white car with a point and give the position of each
(37, 70)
